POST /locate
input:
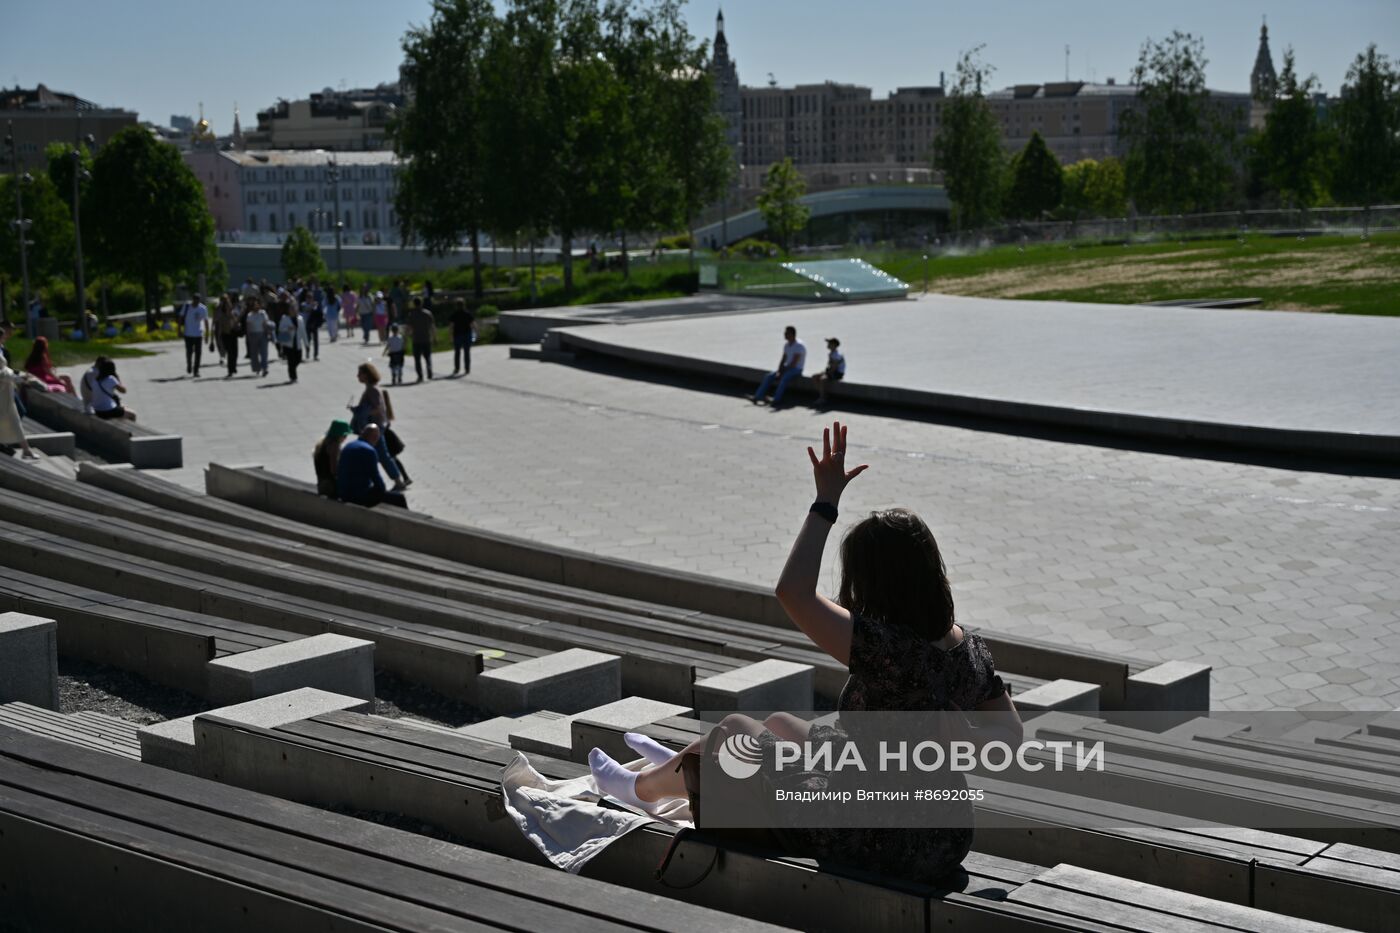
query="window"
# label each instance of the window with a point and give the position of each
(253, 222)
(271, 223)
(291, 219)
(349, 218)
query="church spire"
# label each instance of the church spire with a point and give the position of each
(1263, 81)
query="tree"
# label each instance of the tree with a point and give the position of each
(1180, 144)
(1291, 152)
(1368, 132)
(1106, 189)
(779, 202)
(700, 157)
(301, 257)
(440, 133)
(1037, 181)
(968, 149)
(50, 230)
(148, 216)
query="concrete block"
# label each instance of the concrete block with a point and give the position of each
(157, 451)
(553, 737)
(55, 444)
(498, 730)
(1176, 691)
(1073, 696)
(172, 744)
(567, 681)
(335, 663)
(28, 659)
(759, 688)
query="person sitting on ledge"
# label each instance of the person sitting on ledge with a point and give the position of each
(325, 457)
(892, 624)
(40, 366)
(357, 472)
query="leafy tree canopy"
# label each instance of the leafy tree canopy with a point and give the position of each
(1037, 181)
(968, 149)
(1368, 131)
(301, 256)
(785, 215)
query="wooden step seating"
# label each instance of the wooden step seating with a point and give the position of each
(223, 660)
(93, 842)
(446, 660)
(650, 667)
(175, 506)
(1283, 873)
(89, 730)
(117, 440)
(453, 782)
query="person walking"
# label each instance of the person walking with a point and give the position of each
(463, 336)
(194, 323)
(424, 330)
(292, 339)
(313, 317)
(373, 408)
(789, 368)
(357, 472)
(393, 349)
(331, 308)
(227, 323)
(366, 305)
(257, 327)
(349, 306)
(835, 370)
(383, 308)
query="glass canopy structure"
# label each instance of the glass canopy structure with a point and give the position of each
(849, 279)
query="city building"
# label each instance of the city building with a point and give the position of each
(39, 116)
(1263, 80)
(259, 195)
(345, 121)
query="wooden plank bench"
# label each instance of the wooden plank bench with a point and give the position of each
(118, 440)
(650, 668)
(442, 659)
(704, 596)
(131, 839)
(70, 728)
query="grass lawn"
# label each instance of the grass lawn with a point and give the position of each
(1332, 274)
(74, 352)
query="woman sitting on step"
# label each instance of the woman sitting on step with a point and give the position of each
(892, 624)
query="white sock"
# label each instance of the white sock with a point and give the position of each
(615, 780)
(650, 749)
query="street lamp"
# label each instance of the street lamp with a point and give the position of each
(80, 175)
(333, 176)
(19, 223)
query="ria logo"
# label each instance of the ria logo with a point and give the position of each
(740, 756)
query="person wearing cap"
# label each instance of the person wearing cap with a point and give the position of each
(835, 370)
(326, 457)
(789, 368)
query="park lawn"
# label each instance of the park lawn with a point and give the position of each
(1330, 274)
(72, 352)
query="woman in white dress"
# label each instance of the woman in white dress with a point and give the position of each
(11, 430)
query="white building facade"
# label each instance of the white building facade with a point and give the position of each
(259, 196)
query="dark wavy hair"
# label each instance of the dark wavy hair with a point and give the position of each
(891, 570)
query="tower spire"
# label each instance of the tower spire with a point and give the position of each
(1263, 80)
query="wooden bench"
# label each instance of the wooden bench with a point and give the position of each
(117, 440)
(90, 730)
(94, 842)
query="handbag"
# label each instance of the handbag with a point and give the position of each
(393, 442)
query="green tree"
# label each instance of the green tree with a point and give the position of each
(440, 134)
(968, 149)
(1107, 189)
(149, 217)
(700, 157)
(1037, 181)
(779, 202)
(1291, 153)
(50, 230)
(1368, 132)
(301, 256)
(1181, 145)
(1074, 194)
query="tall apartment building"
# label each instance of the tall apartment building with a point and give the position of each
(40, 116)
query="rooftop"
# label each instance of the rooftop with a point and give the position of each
(308, 157)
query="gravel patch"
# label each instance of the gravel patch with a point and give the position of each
(84, 686)
(398, 698)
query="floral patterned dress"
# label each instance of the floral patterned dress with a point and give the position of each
(895, 669)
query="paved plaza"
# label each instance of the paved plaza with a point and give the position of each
(1276, 369)
(1287, 582)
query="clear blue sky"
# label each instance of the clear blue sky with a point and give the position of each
(160, 57)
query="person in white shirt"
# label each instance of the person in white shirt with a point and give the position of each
(835, 370)
(194, 325)
(105, 388)
(789, 368)
(292, 338)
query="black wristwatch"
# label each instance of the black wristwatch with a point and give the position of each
(825, 509)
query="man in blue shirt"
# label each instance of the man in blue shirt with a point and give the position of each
(357, 472)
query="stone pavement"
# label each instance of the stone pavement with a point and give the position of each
(1279, 369)
(1287, 582)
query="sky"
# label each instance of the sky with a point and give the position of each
(164, 57)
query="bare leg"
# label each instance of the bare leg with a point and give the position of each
(788, 727)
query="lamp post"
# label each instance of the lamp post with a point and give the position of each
(19, 223)
(80, 175)
(333, 175)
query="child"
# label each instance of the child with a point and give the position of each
(393, 349)
(835, 371)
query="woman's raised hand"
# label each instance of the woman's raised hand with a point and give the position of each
(830, 471)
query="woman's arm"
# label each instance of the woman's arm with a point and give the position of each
(820, 619)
